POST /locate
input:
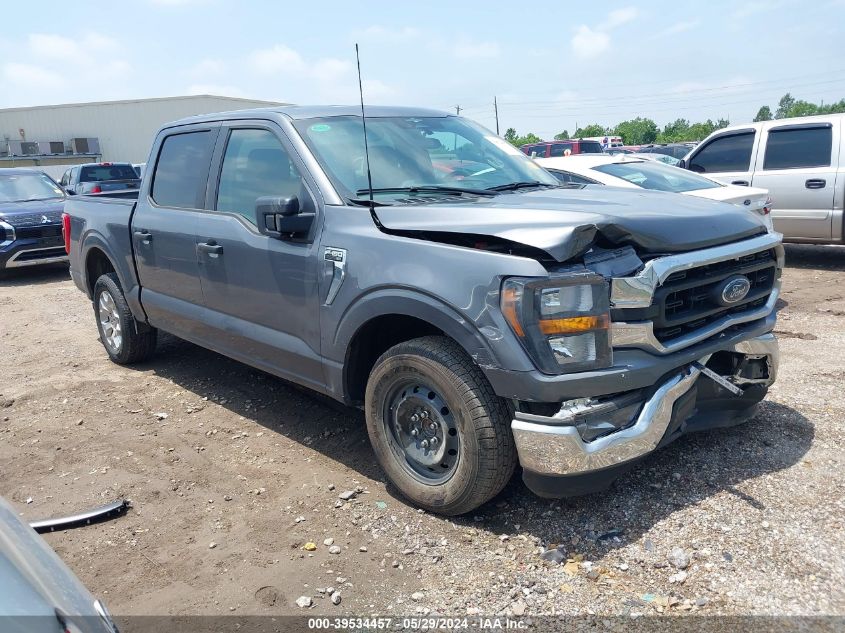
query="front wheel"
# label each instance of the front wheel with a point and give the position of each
(125, 341)
(438, 430)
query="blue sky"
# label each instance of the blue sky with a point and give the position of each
(551, 64)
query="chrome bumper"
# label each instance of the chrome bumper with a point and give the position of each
(553, 445)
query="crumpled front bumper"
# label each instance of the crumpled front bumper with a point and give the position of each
(553, 446)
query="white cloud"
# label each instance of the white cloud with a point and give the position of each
(208, 68)
(330, 69)
(618, 17)
(278, 59)
(476, 50)
(65, 49)
(588, 43)
(31, 76)
(680, 27)
(591, 42)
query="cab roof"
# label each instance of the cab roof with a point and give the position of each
(314, 112)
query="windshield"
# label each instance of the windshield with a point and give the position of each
(22, 187)
(409, 152)
(591, 147)
(99, 173)
(656, 175)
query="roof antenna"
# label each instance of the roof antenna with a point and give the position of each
(364, 122)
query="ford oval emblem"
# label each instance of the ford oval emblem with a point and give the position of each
(734, 290)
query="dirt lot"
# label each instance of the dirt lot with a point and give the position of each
(231, 471)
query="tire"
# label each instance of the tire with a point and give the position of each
(433, 377)
(133, 343)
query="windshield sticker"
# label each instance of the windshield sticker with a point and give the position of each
(320, 127)
(503, 145)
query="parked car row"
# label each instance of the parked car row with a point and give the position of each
(31, 204)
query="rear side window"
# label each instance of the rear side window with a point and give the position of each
(791, 148)
(537, 150)
(569, 178)
(591, 147)
(560, 149)
(731, 152)
(182, 170)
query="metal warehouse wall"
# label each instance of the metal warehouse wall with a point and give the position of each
(125, 128)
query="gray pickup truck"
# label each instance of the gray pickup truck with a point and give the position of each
(481, 314)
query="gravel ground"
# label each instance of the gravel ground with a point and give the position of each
(238, 483)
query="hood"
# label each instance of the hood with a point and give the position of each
(30, 212)
(566, 222)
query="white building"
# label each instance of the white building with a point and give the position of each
(55, 135)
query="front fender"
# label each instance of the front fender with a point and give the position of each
(415, 304)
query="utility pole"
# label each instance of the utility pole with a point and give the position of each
(458, 110)
(496, 110)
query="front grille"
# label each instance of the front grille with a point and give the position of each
(687, 302)
(35, 219)
(40, 231)
(687, 299)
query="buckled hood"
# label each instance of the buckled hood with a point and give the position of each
(566, 222)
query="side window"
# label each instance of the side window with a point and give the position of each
(64, 179)
(731, 152)
(73, 173)
(559, 149)
(791, 148)
(181, 170)
(255, 165)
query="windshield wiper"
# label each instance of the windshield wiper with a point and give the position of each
(454, 191)
(513, 186)
(363, 202)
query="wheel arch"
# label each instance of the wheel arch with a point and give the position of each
(381, 320)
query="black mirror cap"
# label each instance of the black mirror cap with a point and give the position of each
(281, 217)
(682, 164)
(277, 205)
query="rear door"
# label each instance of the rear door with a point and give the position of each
(260, 293)
(164, 229)
(727, 157)
(797, 164)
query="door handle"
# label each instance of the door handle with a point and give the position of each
(815, 183)
(144, 236)
(211, 248)
(741, 183)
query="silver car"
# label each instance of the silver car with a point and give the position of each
(800, 161)
(37, 590)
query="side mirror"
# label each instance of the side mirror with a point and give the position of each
(281, 216)
(70, 191)
(682, 164)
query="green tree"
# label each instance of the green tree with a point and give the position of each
(637, 131)
(785, 104)
(512, 137)
(764, 114)
(802, 108)
(591, 130)
(562, 136)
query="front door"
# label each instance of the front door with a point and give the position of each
(727, 157)
(164, 229)
(260, 292)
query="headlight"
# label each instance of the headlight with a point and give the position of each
(7, 233)
(562, 321)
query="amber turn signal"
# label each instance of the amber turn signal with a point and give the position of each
(574, 325)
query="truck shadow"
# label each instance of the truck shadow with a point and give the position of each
(687, 472)
(32, 275)
(814, 257)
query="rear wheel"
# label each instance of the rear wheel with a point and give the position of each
(438, 430)
(126, 341)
